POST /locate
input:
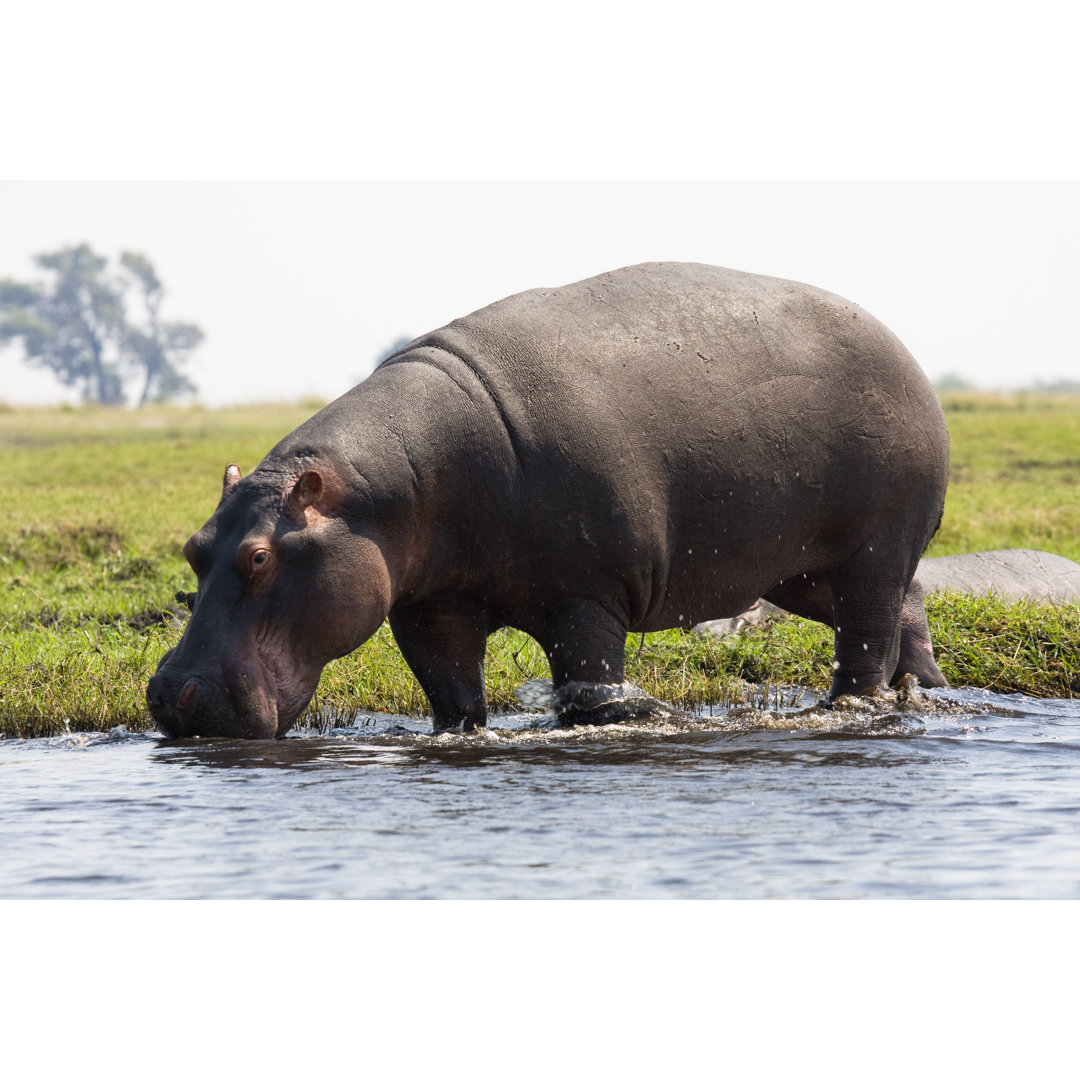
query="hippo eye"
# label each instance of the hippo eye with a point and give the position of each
(259, 558)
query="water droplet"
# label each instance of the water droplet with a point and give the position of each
(865, 647)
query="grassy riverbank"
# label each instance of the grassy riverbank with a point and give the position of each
(95, 506)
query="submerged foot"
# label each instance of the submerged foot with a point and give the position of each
(905, 693)
(591, 703)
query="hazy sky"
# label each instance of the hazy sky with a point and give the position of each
(313, 184)
(301, 286)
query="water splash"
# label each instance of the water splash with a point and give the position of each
(84, 740)
(593, 704)
(589, 709)
(610, 713)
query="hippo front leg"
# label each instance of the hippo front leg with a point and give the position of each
(443, 642)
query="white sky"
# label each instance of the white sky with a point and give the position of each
(312, 184)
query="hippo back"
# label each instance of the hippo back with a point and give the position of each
(670, 421)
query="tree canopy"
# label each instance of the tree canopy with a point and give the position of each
(99, 329)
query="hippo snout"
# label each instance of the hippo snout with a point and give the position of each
(157, 700)
(174, 704)
(183, 705)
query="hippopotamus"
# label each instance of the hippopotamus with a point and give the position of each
(1010, 573)
(631, 452)
(758, 612)
(1038, 577)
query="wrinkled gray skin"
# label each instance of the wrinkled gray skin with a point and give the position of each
(641, 450)
(1010, 573)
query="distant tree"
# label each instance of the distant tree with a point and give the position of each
(77, 325)
(1059, 386)
(70, 325)
(400, 343)
(157, 347)
(952, 381)
(386, 353)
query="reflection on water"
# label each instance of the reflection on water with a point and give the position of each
(955, 794)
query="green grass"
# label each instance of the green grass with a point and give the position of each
(95, 506)
(1014, 475)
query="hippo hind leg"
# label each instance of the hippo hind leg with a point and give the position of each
(916, 650)
(880, 632)
(865, 623)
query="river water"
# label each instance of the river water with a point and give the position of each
(964, 794)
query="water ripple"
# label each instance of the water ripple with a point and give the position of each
(955, 794)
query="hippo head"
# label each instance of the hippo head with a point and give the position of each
(288, 579)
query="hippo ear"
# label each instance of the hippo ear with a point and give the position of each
(232, 478)
(307, 491)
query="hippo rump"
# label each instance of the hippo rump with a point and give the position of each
(637, 451)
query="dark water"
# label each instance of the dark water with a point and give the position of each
(976, 796)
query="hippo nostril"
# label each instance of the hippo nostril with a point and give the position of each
(187, 695)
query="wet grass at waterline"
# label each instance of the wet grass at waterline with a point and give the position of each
(92, 676)
(95, 506)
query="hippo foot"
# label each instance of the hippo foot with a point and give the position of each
(462, 727)
(582, 703)
(905, 695)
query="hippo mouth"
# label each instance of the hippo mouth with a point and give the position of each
(286, 683)
(257, 699)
